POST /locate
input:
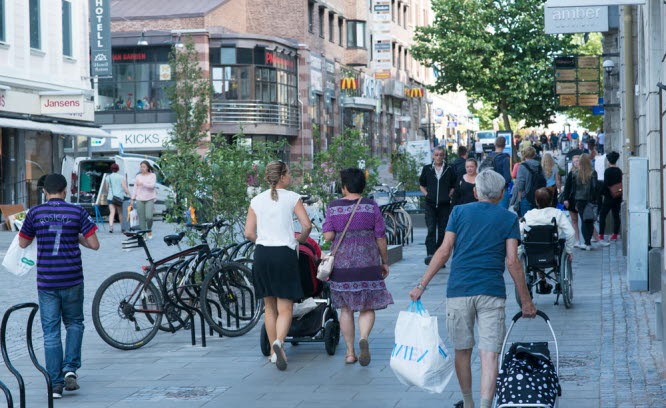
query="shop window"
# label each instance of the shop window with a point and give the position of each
(35, 29)
(2, 20)
(244, 56)
(311, 16)
(331, 27)
(228, 56)
(67, 28)
(355, 34)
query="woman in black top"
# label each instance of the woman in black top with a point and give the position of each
(612, 177)
(464, 187)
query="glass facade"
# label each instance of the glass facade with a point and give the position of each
(254, 75)
(140, 79)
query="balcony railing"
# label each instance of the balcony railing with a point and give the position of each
(255, 113)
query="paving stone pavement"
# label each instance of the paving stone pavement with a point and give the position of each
(609, 355)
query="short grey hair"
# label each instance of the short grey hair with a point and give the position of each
(490, 185)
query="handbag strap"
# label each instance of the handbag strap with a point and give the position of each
(346, 226)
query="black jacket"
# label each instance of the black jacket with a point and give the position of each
(438, 190)
(459, 166)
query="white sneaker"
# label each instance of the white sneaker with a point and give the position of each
(604, 243)
(588, 247)
(579, 245)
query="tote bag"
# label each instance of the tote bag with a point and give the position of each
(419, 356)
(20, 261)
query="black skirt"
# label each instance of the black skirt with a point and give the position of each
(276, 273)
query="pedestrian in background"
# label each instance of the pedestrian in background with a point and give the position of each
(361, 262)
(464, 190)
(60, 228)
(552, 173)
(501, 163)
(601, 140)
(144, 196)
(582, 188)
(483, 238)
(276, 273)
(436, 183)
(612, 181)
(573, 214)
(116, 195)
(554, 142)
(459, 163)
(528, 175)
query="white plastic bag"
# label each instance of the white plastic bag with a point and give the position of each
(20, 261)
(304, 307)
(419, 356)
(133, 218)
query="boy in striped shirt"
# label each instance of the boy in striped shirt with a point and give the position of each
(59, 228)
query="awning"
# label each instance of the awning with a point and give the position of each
(57, 128)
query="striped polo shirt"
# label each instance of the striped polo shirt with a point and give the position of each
(57, 225)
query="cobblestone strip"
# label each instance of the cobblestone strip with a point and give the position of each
(632, 372)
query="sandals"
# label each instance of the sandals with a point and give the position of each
(281, 358)
(364, 356)
(351, 359)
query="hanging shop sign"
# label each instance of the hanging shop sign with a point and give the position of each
(61, 104)
(100, 38)
(588, 19)
(348, 83)
(382, 57)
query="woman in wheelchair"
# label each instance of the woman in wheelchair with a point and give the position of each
(545, 215)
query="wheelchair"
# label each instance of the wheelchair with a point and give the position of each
(545, 260)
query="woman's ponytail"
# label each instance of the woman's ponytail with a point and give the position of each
(274, 172)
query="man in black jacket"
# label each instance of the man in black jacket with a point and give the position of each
(436, 183)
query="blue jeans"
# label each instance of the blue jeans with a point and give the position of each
(525, 206)
(54, 306)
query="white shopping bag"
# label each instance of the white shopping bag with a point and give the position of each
(419, 356)
(133, 218)
(20, 261)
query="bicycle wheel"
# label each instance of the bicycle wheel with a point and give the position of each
(175, 317)
(127, 310)
(228, 300)
(404, 223)
(390, 224)
(565, 278)
(529, 280)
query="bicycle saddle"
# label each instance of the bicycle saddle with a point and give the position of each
(135, 233)
(200, 227)
(174, 239)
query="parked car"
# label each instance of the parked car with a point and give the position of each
(84, 177)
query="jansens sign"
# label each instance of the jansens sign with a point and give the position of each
(61, 104)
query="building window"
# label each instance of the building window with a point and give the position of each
(355, 34)
(2, 20)
(331, 27)
(67, 28)
(321, 22)
(139, 82)
(405, 16)
(340, 30)
(311, 16)
(35, 30)
(398, 13)
(392, 10)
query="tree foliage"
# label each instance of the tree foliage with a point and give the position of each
(215, 185)
(497, 52)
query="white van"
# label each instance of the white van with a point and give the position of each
(485, 141)
(84, 178)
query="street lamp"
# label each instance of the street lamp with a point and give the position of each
(142, 41)
(429, 103)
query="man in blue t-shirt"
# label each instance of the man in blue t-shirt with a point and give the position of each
(59, 228)
(483, 237)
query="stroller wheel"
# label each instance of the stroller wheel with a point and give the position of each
(263, 342)
(331, 336)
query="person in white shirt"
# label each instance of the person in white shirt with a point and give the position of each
(543, 215)
(277, 280)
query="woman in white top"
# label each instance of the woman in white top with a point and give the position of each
(270, 226)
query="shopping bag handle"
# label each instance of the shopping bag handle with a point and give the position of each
(416, 307)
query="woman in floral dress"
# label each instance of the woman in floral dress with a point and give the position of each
(361, 262)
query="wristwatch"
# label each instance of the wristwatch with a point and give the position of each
(419, 286)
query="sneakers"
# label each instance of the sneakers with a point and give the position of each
(613, 237)
(579, 245)
(280, 358)
(71, 383)
(57, 392)
(588, 247)
(604, 243)
(601, 237)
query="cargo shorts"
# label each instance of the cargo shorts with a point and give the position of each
(486, 311)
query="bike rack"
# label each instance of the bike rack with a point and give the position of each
(31, 352)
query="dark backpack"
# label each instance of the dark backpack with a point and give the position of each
(538, 181)
(489, 162)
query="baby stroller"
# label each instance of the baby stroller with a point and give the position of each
(527, 376)
(320, 324)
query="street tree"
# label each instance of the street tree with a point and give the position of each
(497, 52)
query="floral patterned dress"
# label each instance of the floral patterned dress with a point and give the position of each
(356, 281)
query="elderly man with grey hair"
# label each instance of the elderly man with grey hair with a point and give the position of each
(483, 237)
